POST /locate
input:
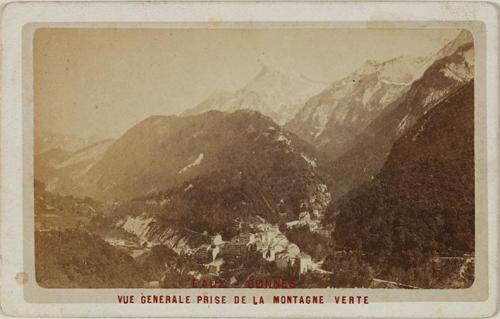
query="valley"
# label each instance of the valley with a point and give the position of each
(367, 182)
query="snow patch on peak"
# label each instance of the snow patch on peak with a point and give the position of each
(309, 160)
(462, 71)
(469, 57)
(196, 162)
(403, 124)
(282, 138)
(455, 73)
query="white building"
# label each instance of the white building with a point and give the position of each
(214, 266)
(304, 262)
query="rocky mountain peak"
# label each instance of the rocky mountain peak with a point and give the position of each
(272, 92)
(464, 37)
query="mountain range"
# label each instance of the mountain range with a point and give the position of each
(344, 133)
(384, 158)
(165, 152)
(421, 203)
(332, 119)
(271, 92)
(46, 140)
(369, 150)
(62, 167)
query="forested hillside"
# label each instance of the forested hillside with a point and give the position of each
(421, 204)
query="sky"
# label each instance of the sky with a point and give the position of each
(101, 82)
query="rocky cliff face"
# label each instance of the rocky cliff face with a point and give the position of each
(332, 119)
(150, 233)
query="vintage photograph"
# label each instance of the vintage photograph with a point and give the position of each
(254, 158)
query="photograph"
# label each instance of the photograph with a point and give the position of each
(254, 157)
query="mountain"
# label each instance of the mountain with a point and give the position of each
(77, 259)
(47, 140)
(464, 37)
(213, 149)
(273, 93)
(53, 211)
(332, 118)
(421, 204)
(370, 148)
(81, 260)
(61, 169)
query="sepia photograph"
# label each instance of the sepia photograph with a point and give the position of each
(269, 157)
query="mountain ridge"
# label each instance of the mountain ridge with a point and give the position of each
(272, 92)
(426, 187)
(332, 118)
(169, 151)
(370, 148)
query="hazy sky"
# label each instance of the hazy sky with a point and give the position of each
(103, 81)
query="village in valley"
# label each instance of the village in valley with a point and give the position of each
(259, 257)
(231, 259)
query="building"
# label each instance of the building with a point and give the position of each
(303, 262)
(215, 266)
(234, 249)
(203, 254)
(245, 238)
(238, 246)
(324, 232)
(217, 240)
(283, 261)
